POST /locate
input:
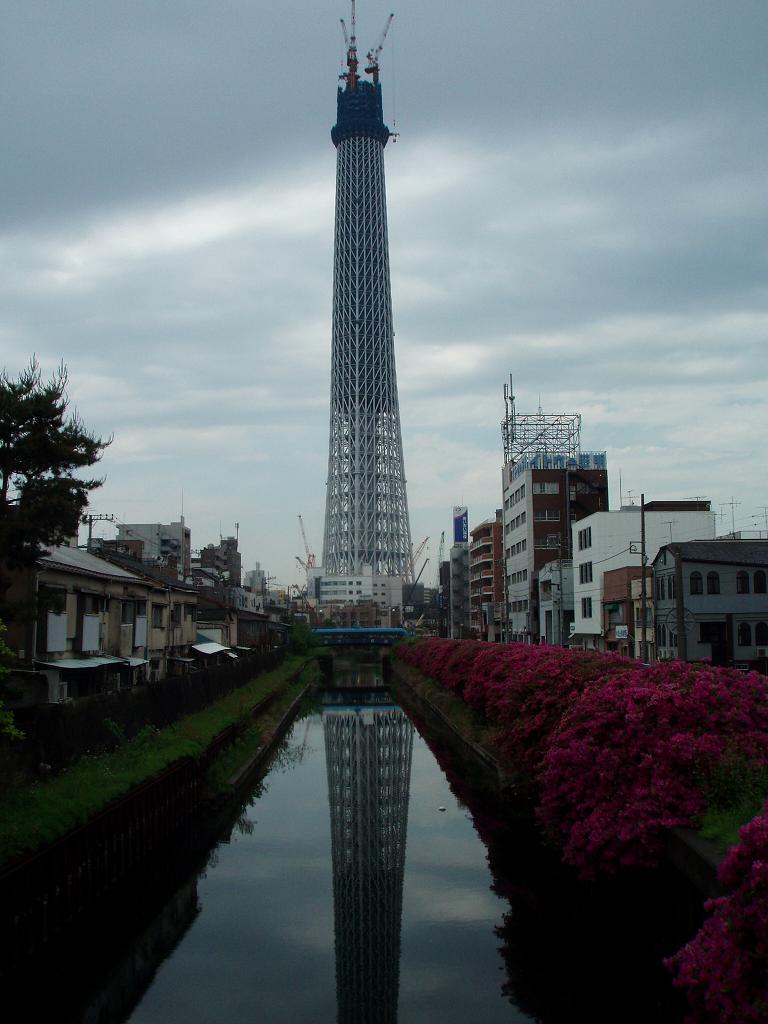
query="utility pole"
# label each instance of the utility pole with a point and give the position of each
(92, 518)
(644, 584)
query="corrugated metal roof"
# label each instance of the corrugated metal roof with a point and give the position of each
(209, 648)
(82, 561)
(85, 662)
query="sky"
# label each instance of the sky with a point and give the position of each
(576, 197)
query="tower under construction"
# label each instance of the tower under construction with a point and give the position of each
(366, 513)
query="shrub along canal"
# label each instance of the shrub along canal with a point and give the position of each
(368, 878)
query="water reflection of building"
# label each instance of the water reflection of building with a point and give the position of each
(368, 755)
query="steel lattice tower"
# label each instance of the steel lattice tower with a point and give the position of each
(366, 513)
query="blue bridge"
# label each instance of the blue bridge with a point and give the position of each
(359, 636)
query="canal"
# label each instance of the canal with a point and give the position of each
(369, 878)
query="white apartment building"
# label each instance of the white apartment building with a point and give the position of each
(612, 540)
(363, 587)
(543, 495)
(161, 541)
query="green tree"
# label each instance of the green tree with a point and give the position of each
(7, 728)
(42, 447)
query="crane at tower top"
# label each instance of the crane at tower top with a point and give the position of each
(373, 55)
(351, 75)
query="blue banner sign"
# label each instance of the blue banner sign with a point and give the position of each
(460, 524)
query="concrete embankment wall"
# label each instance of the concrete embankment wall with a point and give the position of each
(45, 894)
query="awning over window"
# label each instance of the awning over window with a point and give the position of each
(91, 662)
(209, 648)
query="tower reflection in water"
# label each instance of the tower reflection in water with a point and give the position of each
(368, 749)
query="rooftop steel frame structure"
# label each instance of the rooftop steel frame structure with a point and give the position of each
(366, 513)
(527, 434)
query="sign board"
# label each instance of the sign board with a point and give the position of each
(460, 524)
(622, 632)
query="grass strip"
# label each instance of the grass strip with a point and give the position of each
(256, 735)
(39, 813)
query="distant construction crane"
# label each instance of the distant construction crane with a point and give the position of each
(411, 566)
(308, 552)
(307, 563)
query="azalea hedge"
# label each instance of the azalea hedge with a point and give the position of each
(619, 753)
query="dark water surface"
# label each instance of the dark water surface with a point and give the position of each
(377, 928)
(369, 879)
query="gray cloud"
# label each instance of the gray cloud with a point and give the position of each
(577, 197)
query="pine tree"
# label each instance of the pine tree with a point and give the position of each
(42, 446)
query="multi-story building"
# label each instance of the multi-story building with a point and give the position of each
(382, 593)
(622, 612)
(161, 543)
(100, 626)
(714, 595)
(555, 581)
(606, 541)
(486, 579)
(458, 592)
(256, 579)
(225, 559)
(543, 496)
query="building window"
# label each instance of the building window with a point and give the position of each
(759, 582)
(761, 634)
(543, 514)
(585, 572)
(127, 612)
(696, 583)
(713, 583)
(742, 582)
(158, 616)
(585, 538)
(586, 607)
(670, 587)
(744, 634)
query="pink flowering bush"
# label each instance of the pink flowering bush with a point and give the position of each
(632, 757)
(724, 969)
(619, 752)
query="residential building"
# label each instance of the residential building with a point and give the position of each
(611, 540)
(486, 579)
(161, 544)
(91, 631)
(555, 582)
(225, 559)
(714, 594)
(256, 580)
(543, 496)
(621, 612)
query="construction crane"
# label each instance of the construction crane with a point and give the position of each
(411, 565)
(310, 556)
(350, 41)
(373, 55)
